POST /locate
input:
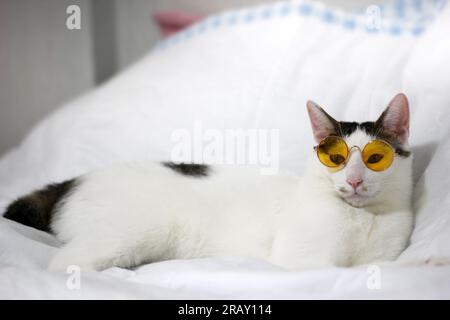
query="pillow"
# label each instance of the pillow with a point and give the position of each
(426, 77)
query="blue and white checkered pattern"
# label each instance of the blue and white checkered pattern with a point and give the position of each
(396, 18)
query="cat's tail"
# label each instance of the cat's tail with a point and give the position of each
(36, 209)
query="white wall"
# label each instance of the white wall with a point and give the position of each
(42, 63)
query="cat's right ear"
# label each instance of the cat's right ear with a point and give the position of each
(322, 123)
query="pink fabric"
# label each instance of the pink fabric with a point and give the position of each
(171, 22)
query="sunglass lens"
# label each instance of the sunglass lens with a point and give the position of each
(378, 155)
(332, 152)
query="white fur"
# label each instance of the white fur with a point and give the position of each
(131, 214)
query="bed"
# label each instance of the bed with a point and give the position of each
(252, 68)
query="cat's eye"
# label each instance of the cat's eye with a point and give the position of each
(375, 158)
(333, 152)
(337, 158)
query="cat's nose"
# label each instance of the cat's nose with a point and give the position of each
(355, 182)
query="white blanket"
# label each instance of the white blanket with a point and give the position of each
(252, 68)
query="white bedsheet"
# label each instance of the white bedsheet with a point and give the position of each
(253, 68)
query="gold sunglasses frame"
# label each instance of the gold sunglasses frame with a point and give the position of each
(349, 151)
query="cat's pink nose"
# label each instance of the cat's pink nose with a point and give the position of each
(355, 182)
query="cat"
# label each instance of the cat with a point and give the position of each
(131, 214)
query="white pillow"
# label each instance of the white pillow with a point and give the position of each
(426, 78)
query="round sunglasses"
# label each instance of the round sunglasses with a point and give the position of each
(334, 152)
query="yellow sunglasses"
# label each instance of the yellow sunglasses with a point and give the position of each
(333, 152)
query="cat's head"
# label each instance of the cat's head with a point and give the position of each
(354, 181)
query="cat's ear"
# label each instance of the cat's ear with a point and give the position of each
(395, 119)
(322, 123)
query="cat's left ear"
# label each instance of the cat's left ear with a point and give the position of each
(395, 119)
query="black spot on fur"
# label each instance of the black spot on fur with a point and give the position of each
(36, 210)
(189, 169)
(374, 129)
(347, 128)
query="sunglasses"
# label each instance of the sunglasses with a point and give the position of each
(333, 152)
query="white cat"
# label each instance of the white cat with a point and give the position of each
(132, 214)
